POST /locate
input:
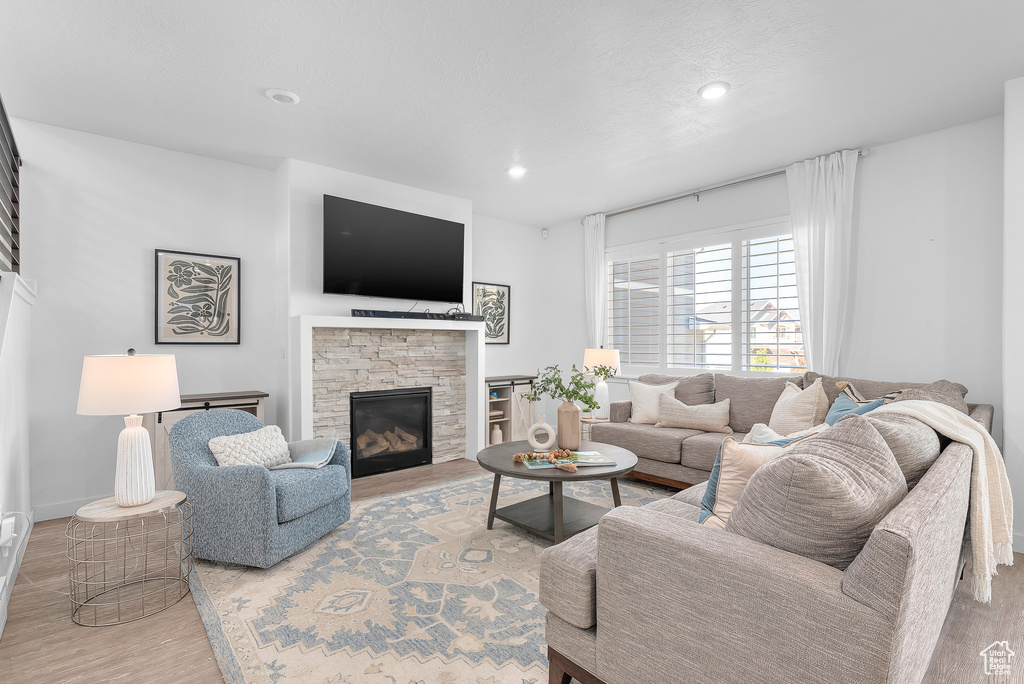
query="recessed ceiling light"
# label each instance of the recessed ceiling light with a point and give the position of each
(517, 171)
(713, 91)
(286, 97)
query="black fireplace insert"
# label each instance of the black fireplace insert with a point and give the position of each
(391, 429)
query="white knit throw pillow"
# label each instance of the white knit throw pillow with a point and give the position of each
(798, 409)
(264, 447)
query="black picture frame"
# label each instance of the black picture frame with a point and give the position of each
(494, 303)
(198, 298)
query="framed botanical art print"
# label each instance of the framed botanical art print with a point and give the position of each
(492, 302)
(197, 298)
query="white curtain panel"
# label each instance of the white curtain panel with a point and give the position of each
(595, 278)
(821, 207)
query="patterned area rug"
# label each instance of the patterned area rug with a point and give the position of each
(412, 590)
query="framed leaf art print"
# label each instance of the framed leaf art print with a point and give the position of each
(197, 298)
(492, 302)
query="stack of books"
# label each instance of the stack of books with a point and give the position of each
(497, 414)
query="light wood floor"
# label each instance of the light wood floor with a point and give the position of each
(41, 645)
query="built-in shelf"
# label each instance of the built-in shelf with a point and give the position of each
(518, 416)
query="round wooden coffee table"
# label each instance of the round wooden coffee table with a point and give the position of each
(552, 515)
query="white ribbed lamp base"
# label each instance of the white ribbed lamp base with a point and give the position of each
(133, 481)
(601, 395)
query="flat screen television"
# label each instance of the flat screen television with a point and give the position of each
(374, 251)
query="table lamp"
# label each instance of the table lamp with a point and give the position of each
(130, 384)
(592, 358)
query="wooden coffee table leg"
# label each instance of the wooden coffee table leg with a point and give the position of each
(559, 527)
(494, 502)
(615, 492)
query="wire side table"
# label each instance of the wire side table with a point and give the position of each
(129, 563)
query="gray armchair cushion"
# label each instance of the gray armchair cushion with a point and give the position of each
(691, 390)
(646, 441)
(304, 490)
(751, 399)
(823, 497)
(914, 444)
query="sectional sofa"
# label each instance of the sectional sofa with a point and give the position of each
(681, 458)
(652, 595)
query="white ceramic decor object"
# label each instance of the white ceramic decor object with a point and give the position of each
(495, 434)
(133, 478)
(541, 426)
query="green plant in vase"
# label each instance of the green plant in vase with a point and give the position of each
(578, 389)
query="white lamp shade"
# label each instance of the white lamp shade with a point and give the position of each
(592, 358)
(123, 384)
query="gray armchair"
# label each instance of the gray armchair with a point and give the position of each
(246, 514)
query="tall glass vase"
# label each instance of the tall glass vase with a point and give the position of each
(569, 426)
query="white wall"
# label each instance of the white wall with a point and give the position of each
(927, 288)
(1013, 287)
(94, 210)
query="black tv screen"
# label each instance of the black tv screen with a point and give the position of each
(374, 251)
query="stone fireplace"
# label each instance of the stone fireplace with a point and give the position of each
(348, 360)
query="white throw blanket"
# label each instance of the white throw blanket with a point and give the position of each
(991, 502)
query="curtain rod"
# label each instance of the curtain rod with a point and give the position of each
(697, 193)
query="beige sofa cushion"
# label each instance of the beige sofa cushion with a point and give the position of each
(700, 451)
(675, 507)
(646, 441)
(869, 389)
(823, 497)
(751, 400)
(692, 495)
(691, 390)
(799, 409)
(942, 391)
(915, 445)
(737, 464)
(706, 417)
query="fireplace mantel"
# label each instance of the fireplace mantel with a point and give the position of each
(302, 340)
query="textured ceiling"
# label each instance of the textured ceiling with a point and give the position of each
(597, 98)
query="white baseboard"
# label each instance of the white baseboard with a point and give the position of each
(64, 509)
(10, 564)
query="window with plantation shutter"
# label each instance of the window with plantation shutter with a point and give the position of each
(10, 220)
(699, 325)
(772, 339)
(634, 297)
(724, 301)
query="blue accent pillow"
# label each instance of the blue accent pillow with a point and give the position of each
(844, 406)
(707, 504)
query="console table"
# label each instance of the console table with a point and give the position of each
(159, 424)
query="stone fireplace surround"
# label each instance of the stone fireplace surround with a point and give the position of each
(343, 354)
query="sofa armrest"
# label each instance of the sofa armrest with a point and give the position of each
(339, 451)
(620, 411)
(674, 596)
(983, 413)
